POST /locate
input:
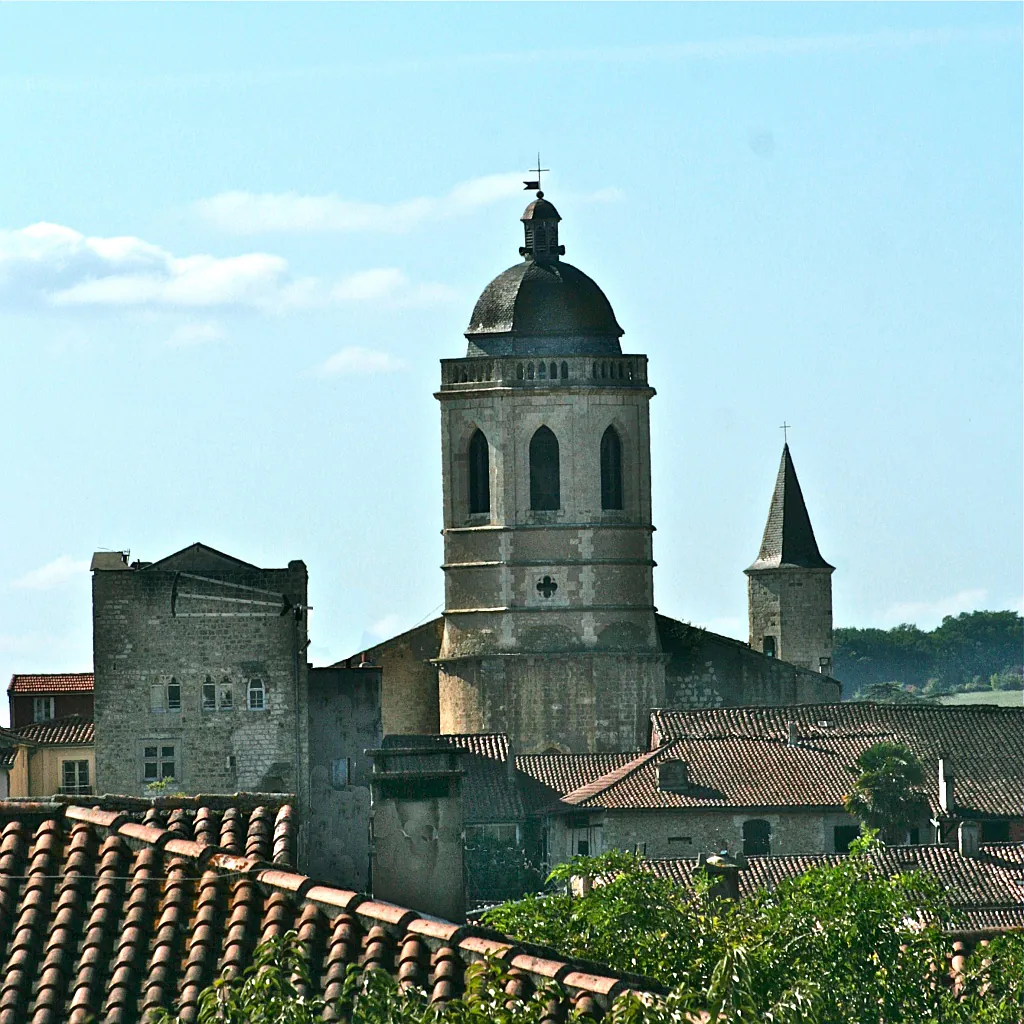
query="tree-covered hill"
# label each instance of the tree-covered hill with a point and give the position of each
(972, 651)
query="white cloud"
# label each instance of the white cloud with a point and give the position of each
(57, 267)
(251, 213)
(54, 574)
(195, 334)
(356, 360)
(389, 285)
(929, 614)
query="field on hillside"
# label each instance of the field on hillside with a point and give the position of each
(1004, 698)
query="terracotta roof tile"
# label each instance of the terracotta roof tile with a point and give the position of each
(103, 917)
(985, 891)
(741, 756)
(71, 731)
(51, 682)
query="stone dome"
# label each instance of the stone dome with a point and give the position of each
(543, 299)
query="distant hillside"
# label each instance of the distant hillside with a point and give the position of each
(972, 652)
(1004, 698)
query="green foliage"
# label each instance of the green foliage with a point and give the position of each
(887, 791)
(838, 945)
(969, 646)
(163, 787)
(892, 692)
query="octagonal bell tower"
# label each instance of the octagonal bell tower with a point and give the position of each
(549, 625)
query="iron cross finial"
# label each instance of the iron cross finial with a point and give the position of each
(534, 186)
(785, 428)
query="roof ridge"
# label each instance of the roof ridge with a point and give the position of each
(614, 777)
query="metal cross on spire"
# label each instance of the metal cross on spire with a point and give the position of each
(785, 428)
(534, 186)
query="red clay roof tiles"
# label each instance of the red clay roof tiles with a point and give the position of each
(51, 682)
(102, 917)
(71, 731)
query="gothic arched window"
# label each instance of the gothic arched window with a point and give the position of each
(545, 495)
(611, 470)
(479, 474)
(757, 836)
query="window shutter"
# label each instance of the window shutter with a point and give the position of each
(156, 697)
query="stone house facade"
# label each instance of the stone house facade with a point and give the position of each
(44, 697)
(200, 674)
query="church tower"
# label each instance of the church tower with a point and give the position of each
(549, 626)
(789, 587)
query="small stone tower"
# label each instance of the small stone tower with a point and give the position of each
(789, 587)
(549, 627)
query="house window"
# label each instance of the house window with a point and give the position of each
(768, 647)
(173, 695)
(611, 470)
(74, 778)
(584, 837)
(158, 762)
(545, 494)
(995, 831)
(479, 474)
(42, 709)
(209, 695)
(257, 695)
(341, 772)
(757, 837)
(225, 696)
(165, 696)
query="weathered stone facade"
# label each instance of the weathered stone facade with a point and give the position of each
(344, 722)
(200, 675)
(686, 833)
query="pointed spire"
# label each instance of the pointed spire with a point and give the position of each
(788, 536)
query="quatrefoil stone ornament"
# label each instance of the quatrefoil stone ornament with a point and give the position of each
(546, 587)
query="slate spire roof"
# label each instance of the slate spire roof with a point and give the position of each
(788, 536)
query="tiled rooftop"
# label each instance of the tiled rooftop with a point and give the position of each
(986, 891)
(743, 752)
(51, 682)
(71, 731)
(103, 917)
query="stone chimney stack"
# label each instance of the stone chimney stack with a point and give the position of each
(946, 781)
(794, 734)
(968, 835)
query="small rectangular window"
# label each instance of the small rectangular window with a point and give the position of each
(42, 709)
(257, 695)
(209, 695)
(231, 762)
(768, 647)
(156, 698)
(75, 778)
(158, 762)
(173, 695)
(226, 697)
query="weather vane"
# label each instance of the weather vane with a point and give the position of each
(785, 428)
(534, 186)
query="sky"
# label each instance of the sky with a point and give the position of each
(236, 240)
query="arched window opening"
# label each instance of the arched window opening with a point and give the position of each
(554, 371)
(519, 371)
(529, 371)
(479, 474)
(565, 371)
(257, 695)
(542, 371)
(757, 837)
(611, 470)
(545, 495)
(594, 374)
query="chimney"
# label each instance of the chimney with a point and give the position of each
(946, 781)
(725, 873)
(674, 777)
(794, 734)
(967, 837)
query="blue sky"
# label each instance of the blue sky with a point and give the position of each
(235, 240)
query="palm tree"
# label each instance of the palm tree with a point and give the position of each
(887, 792)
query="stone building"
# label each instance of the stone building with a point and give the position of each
(789, 587)
(550, 632)
(200, 674)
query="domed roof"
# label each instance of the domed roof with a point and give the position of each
(536, 299)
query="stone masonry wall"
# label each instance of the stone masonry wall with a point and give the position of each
(152, 625)
(795, 607)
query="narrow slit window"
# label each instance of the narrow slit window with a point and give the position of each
(173, 695)
(226, 697)
(611, 470)
(479, 474)
(545, 493)
(209, 695)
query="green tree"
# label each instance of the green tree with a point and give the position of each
(887, 792)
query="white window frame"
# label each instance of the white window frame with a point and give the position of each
(80, 771)
(42, 709)
(255, 686)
